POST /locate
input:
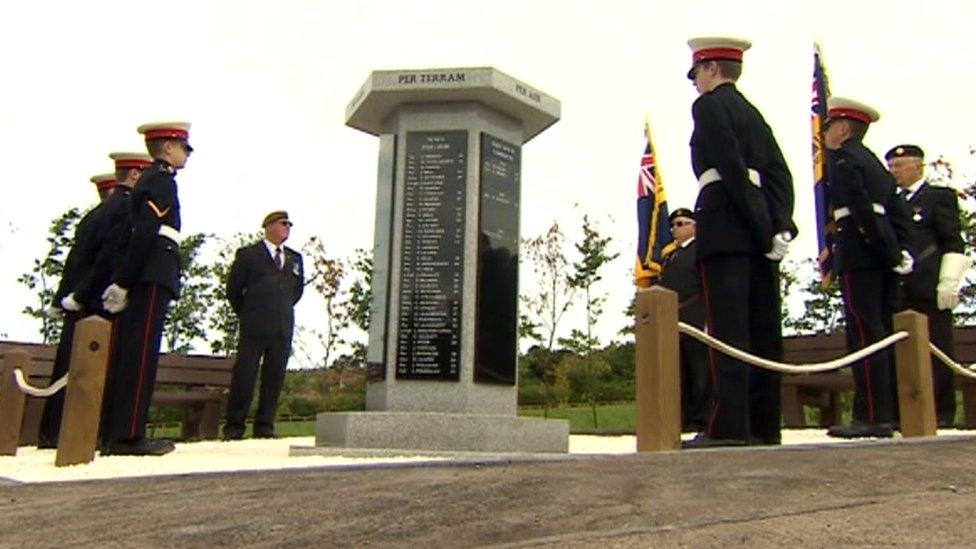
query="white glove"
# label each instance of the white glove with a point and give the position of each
(781, 245)
(53, 312)
(906, 265)
(69, 303)
(951, 272)
(114, 298)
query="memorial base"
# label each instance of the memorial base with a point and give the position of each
(440, 432)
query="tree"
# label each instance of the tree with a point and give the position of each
(361, 290)
(43, 277)
(554, 290)
(823, 308)
(585, 375)
(586, 273)
(222, 322)
(547, 307)
(327, 278)
(187, 316)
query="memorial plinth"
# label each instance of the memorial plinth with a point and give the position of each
(443, 341)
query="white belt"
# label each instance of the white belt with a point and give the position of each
(166, 231)
(711, 175)
(841, 213)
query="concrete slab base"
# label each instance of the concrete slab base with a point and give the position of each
(426, 432)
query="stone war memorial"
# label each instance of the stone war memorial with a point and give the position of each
(443, 342)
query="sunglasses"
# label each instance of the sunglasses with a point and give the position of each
(286, 223)
(681, 223)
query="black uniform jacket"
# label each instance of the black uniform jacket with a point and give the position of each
(878, 226)
(680, 274)
(151, 257)
(262, 295)
(81, 256)
(110, 237)
(935, 215)
(733, 214)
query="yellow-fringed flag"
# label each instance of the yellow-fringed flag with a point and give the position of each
(654, 233)
(821, 177)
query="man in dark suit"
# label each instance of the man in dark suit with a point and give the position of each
(872, 246)
(266, 281)
(70, 307)
(680, 274)
(933, 288)
(744, 226)
(146, 280)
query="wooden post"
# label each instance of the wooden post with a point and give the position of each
(913, 359)
(658, 390)
(12, 400)
(86, 384)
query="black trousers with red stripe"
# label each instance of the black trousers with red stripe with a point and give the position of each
(132, 374)
(940, 333)
(870, 298)
(742, 308)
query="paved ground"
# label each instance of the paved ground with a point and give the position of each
(917, 493)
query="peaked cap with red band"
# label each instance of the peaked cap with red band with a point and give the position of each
(139, 161)
(104, 181)
(716, 48)
(842, 107)
(165, 130)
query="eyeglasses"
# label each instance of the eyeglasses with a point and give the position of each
(681, 223)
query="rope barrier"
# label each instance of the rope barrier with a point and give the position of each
(816, 367)
(37, 391)
(952, 364)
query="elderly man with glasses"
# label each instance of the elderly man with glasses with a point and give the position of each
(680, 274)
(266, 281)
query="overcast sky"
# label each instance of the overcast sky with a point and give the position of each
(265, 85)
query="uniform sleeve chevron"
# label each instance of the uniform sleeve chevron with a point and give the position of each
(160, 213)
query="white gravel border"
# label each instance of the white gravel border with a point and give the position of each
(31, 465)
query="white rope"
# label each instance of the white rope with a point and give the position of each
(959, 368)
(37, 391)
(835, 364)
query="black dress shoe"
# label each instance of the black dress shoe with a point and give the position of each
(704, 441)
(264, 433)
(141, 447)
(861, 429)
(765, 441)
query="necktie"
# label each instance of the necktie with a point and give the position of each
(278, 259)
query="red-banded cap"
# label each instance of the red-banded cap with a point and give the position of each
(165, 130)
(715, 48)
(104, 181)
(843, 107)
(123, 160)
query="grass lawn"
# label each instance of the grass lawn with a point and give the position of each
(609, 416)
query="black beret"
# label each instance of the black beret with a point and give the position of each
(681, 212)
(905, 150)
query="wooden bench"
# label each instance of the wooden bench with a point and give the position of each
(196, 383)
(822, 391)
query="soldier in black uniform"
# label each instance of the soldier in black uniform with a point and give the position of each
(680, 273)
(265, 281)
(933, 288)
(146, 280)
(111, 230)
(71, 306)
(744, 227)
(872, 245)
